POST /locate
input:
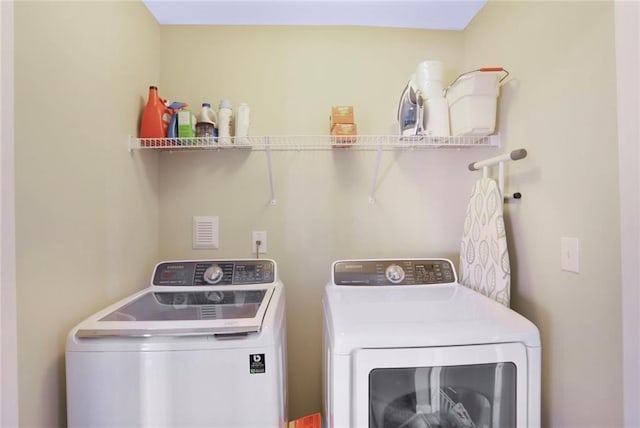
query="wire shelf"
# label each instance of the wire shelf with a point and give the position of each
(313, 142)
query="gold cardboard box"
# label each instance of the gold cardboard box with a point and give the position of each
(341, 114)
(344, 133)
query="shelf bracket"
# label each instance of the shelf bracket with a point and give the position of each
(372, 197)
(270, 167)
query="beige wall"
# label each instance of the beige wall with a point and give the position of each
(560, 104)
(557, 104)
(87, 206)
(290, 76)
(87, 210)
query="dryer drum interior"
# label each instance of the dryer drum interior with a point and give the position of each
(479, 395)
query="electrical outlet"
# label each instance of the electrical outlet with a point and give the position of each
(259, 235)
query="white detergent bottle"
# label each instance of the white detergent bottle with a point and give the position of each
(207, 121)
(242, 124)
(225, 119)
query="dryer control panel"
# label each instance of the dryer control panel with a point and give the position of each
(393, 272)
(214, 272)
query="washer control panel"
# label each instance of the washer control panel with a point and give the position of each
(393, 272)
(215, 272)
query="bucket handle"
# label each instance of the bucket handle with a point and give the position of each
(481, 70)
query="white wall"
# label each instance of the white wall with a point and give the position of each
(560, 104)
(86, 209)
(627, 16)
(8, 333)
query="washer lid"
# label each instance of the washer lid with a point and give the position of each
(418, 316)
(215, 310)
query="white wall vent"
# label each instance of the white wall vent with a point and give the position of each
(205, 232)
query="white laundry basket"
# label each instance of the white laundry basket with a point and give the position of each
(473, 99)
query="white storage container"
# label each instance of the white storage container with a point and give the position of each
(242, 124)
(473, 99)
(225, 121)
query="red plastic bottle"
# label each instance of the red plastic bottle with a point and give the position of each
(155, 116)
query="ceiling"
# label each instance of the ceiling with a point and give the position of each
(422, 14)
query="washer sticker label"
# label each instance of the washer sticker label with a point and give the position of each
(256, 363)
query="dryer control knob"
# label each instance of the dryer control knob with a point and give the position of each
(394, 274)
(213, 274)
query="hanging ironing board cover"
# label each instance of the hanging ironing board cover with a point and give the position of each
(484, 257)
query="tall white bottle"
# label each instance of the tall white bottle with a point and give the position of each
(242, 124)
(225, 120)
(436, 117)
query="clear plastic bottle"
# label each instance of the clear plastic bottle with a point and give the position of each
(242, 124)
(207, 120)
(225, 120)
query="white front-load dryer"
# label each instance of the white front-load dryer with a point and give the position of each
(406, 346)
(203, 345)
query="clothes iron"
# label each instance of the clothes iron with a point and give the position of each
(411, 110)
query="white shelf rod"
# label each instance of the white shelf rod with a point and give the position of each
(500, 161)
(270, 165)
(372, 197)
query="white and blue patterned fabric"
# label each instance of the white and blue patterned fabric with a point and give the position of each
(484, 257)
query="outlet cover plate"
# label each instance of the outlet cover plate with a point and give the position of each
(570, 254)
(259, 235)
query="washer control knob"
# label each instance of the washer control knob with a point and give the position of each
(394, 274)
(213, 274)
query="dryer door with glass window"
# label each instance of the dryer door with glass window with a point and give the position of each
(482, 386)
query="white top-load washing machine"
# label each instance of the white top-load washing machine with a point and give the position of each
(203, 345)
(406, 346)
